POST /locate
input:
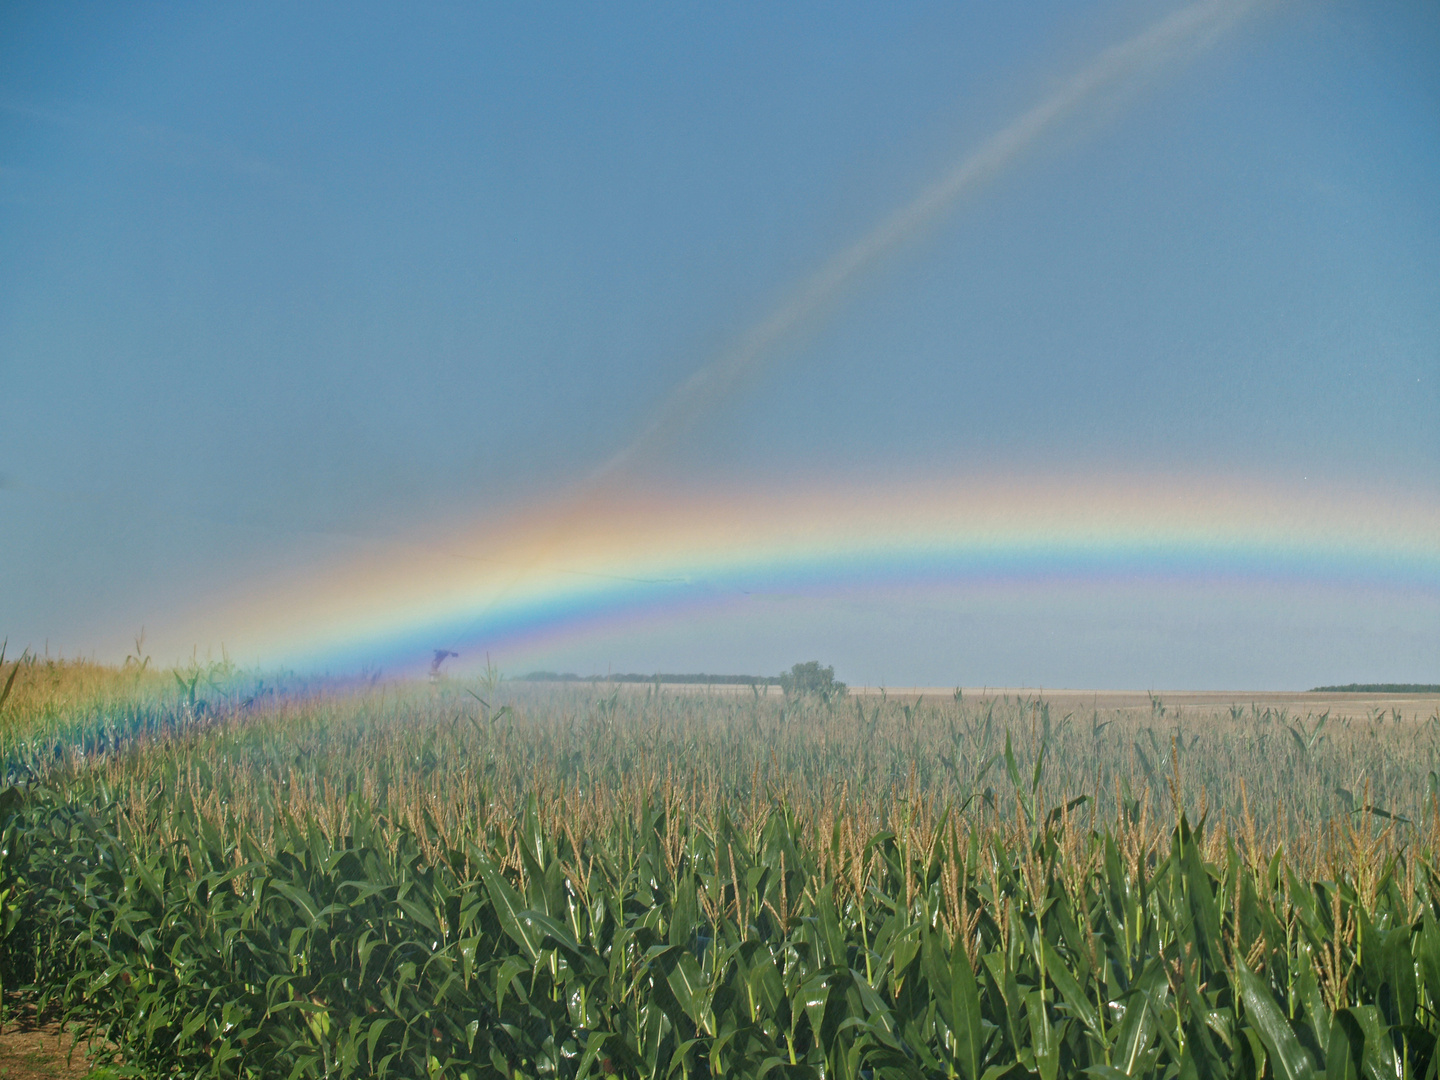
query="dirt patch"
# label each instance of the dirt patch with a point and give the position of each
(42, 1049)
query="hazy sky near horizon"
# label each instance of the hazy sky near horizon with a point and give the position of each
(284, 283)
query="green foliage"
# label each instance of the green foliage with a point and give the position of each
(679, 947)
(427, 882)
(663, 678)
(1380, 688)
(811, 678)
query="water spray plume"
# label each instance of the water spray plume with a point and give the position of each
(1181, 33)
(1185, 31)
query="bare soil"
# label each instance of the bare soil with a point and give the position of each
(40, 1048)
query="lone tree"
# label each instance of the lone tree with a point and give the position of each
(811, 678)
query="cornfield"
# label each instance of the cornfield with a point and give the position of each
(220, 878)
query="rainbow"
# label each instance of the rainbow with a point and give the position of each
(611, 560)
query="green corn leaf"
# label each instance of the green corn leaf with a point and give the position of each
(1045, 1036)
(765, 984)
(9, 684)
(1011, 768)
(504, 976)
(1307, 989)
(1381, 1062)
(1144, 1006)
(302, 900)
(1380, 811)
(1253, 1056)
(966, 1010)
(1056, 813)
(688, 984)
(1039, 770)
(1428, 953)
(814, 999)
(1073, 994)
(1291, 1060)
(1145, 764)
(876, 1011)
(11, 799)
(372, 1037)
(510, 909)
(831, 939)
(1345, 1049)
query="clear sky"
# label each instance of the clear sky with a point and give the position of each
(294, 298)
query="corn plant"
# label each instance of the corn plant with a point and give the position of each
(429, 881)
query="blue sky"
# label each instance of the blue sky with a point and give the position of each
(276, 277)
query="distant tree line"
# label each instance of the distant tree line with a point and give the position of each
(696, 679)
(801, 679)
(1380, 688)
